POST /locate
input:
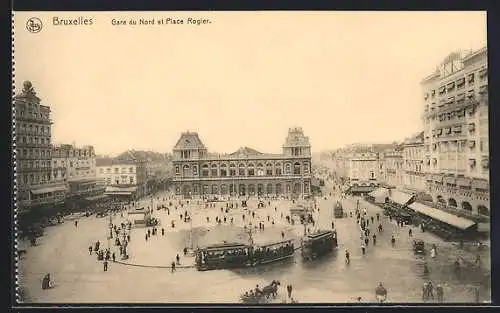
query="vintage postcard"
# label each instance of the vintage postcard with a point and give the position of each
(251, 157)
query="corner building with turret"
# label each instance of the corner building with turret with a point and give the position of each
(245, 172)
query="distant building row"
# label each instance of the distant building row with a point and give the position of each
(449, 160)
(47, 175)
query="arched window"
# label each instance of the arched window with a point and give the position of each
(483, 210)
(288, 169)
(269, 169)
(278, 169)
(214, 170)
(251, 170)
(296, 169)
(185, 171)
(232, 169)
(223, 170)
(260, 169)
(241, 169)
(306, 168)
(204, 170)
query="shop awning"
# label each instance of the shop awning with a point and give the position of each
(445, 217)
(379, 194)
(47, 190)
(96, 198)
(118, 193)
(399, 197)
(120, 189)
(361, 188)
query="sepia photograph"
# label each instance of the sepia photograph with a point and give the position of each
(260, 157)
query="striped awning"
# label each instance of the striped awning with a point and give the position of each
(461, 97)
(470, 78)
(483, 73)
(450, 86)
(461, 81)
(442, 89)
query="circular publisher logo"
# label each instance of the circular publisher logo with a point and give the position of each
(34, 25)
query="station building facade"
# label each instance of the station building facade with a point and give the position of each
(245, 172)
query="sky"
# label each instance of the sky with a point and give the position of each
(242, 80)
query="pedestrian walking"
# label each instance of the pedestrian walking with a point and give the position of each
(289, 289)
(347, 257)
(367, 241)
(282, 235)
(177, 258)
(410, 233)
(380, 228)
(76, 223)
(372, 218)
(393, 241)
(333, 225)
(146, 237)
(172, 267)
(185, 251)
(374, 239)
(378, 217)
(113, 257)
(440, 292)
(90, 250)
(105, 265)
(363, 248)
(163, 231)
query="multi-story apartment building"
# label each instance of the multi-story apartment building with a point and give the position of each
(33, 152)
(456, 132)
(75, 167)
(413, 163)
(364, 169)
(70, 162)
(246, 172)
(392, 167)
(123, 177)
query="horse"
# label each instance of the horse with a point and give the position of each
(271, 289)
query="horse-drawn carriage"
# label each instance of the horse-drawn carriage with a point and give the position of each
(261, 295)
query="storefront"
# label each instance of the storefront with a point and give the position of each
(121, 193)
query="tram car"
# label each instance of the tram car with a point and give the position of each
(223, 256)
(234, 255)
(418, 246)
(273, 252)
(318, 244)
(338, 210)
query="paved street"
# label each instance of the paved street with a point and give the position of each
(80, 277)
